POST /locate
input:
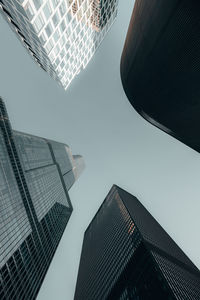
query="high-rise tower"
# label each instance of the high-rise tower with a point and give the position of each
(35, 176)
(61, 35)
(160, 66)
(127, 255)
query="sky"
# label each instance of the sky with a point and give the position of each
(96, 120)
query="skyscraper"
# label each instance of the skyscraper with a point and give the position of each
(127, 255)
(61, 35)
(35, 176)
(160, 66)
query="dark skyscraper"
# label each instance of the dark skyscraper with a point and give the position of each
(35, 176)
(160, 66)
(127, 255)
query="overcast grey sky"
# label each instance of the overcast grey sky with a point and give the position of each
(95, 118)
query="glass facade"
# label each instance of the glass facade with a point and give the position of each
(14, 226)
(133, 257)
(35, 208)
(62, 36)
(60, 153)
(46, 189)
(64, 160)
(34, 151)
(69, 179)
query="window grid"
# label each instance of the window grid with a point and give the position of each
(81, 26)
(35, 208)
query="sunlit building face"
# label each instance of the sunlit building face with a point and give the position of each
(61, 35)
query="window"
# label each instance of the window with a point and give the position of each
(48, 29)
(62, 26)
(68, 31)
(62, 9)
(29, 11)
(57, 61)
(84, 7)
(42, 38)
(55, 3)
(56, 36)
(72, 37)
(49, 46)
(78, 29)
(56, 50)
(39, 23)
(68, 17)
(37, 3)
(67, 46)
(62, 41)
(55, 19)
(62, 53)
(62, 65)
(67, 57)
(47, 10)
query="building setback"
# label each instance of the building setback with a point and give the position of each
(160, 66)
(61, 35)
(35, 176)
(127, 255)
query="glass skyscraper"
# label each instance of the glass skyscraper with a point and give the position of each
(61, 35)
(35, 176)
(127, 255)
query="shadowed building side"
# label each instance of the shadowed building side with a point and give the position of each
(160, 66)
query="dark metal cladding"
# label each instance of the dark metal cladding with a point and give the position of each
(127, 255)
(160, 66)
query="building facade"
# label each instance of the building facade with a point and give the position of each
(160, 66)
(127, 255)
(61, 35)
(36, 175)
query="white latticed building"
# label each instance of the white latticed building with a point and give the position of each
(61, 35)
